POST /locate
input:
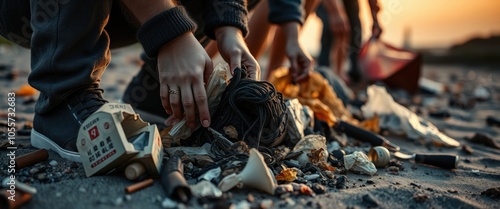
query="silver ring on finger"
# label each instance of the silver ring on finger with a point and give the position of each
(173, 91)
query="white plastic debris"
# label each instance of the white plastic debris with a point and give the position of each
(168, 203)
(299, 117)
(359, 162)
(399, 120)
(211, 174)
(308, 144)
(481, 93)
(205, 189)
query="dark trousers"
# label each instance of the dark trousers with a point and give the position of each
(352, 12)
(69, 42)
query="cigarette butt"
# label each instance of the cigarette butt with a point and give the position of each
(134, 171)
(138, 186)
(20, 199)
(32, 158)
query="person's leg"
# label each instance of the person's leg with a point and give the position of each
(326, 37)
(15, 21)
(259, 28)
(69, 52)
(352, 12)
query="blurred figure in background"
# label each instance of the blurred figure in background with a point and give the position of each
(335, 19)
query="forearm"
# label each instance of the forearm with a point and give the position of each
(291, 32)
(374, 8)
(161, 21)
(146, 9)
(334, 7)
(281, 11)
(221, 13)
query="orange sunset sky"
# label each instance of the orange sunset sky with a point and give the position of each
(432, 23)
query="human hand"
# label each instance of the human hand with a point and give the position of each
(234, 50)
(300, 60)
(184, 67)
(376, 30)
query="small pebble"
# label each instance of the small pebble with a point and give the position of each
(372, 202)
(82, 189)
(118, 201)
(128, 197)
(250, 198)
(418, 197)
(318, 188)
(74, 165)
(42, 177)
(168, 203)
(58, 194)
(53, 163)
(267, 203)
(290, 202)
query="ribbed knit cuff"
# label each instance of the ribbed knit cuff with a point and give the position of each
(226, 13)
(164, 28)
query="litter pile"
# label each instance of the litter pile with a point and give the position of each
(277, 138)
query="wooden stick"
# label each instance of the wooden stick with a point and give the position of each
(32, 158)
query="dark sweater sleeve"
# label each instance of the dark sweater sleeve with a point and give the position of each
(281, 11)
(225, 13)
(164, 28)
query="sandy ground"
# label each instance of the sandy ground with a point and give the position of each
(417, 186)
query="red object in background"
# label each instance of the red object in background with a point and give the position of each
(398, 68)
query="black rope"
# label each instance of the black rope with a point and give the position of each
(254, 108)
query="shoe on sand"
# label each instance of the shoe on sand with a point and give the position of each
(57, 129)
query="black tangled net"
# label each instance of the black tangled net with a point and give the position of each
(254, 108)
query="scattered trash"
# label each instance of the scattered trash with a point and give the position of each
(399, 120)
(341, 182)
(265, 204)
(379, 156)
(113, 137)
(138, 186)
(287, 174)
(309, 144)
(460, 101)
(25, 90)
(419, 197)
(13, 199)
(32, 158)
(481, 93)
(467, 149)
(483, 139)
(318, 188)
(298, 120)
(314, 92)
(205, 189)
(359, 162)
(256, 174)
(53, 163)
(439, 160)
(492, 192)
(431, 86)
(370, 200)
(173, 182)
(493, 121)
(169, 203)
(443, 114)
(211, 174)
(392, 170)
